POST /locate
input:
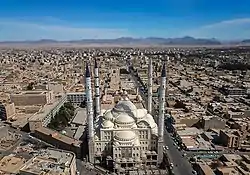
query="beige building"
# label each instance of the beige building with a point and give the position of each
(115, 78)
(51, 162)
(59, 140)
(27, 98)
(11, 164)
(229, 139)
(212, 122)
(7, 110)
(203, 169)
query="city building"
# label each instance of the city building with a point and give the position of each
(59, 140)
(229, 138)
(11, 164)
(203, 169)
(212, 122)
(76, 98)
(7, 110)
(125, 138)
(50, 162)
(48, 111)
(26, 98)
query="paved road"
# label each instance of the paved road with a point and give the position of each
(175, 156)
(85, 169)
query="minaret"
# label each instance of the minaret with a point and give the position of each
(161, 114)
(89, 114)
(150, 84)
(97, 90)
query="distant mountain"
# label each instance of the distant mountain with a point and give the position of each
(127, 40)
(246, 41)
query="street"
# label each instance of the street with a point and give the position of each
(181, 164)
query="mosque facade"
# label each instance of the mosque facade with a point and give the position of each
(124, 138)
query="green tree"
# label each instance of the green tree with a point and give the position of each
(63, 117)
(30, 86)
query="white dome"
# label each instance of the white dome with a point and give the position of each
(102, 112)
(124, 118)
(125, 135)
(125, 105)
(141, 113)
(108, 115)
(150, 119)
(107, 124)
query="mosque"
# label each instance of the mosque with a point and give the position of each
(125, 138)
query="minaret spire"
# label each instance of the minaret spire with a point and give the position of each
(97, 90)
(161, 113)
(89, 113)
(150, 84)
(162, 101)
(89, 102)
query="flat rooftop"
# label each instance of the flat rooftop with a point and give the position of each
(80, 117)
(60, 156)
(79, 132)
(58, 136)
(11, 164)
(30, 93)
(42, 165)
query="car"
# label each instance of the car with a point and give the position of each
(194, 172)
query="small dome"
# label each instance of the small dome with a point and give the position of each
(102, 112)
(125, 135)
(125, 105)
(108, 115)
(124, 118)
(107, 124)
(141, 113)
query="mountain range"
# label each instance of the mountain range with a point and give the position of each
(134, 41)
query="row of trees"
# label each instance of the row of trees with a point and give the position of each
(63, 117)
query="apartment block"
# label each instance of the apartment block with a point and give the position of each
(26, 98)
(229, 139)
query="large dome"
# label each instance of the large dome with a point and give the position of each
(125, 106)
(124, 119)
(125, 135)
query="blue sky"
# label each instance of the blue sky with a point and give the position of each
(78, 19)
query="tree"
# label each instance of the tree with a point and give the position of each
(179, 104)
(69, 105)
(30, 86)
(83, 104)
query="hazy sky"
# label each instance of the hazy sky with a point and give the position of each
(79, 19)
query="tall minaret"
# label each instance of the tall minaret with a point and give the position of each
(97, 90)
(89, 114)
(150, 84)
(161, 114)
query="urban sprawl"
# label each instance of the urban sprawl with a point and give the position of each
(130, 111)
